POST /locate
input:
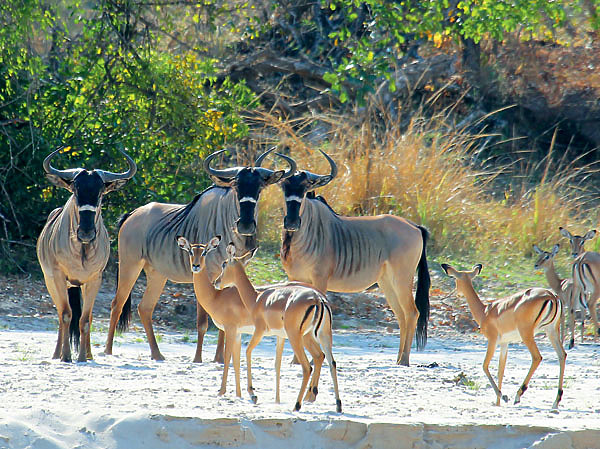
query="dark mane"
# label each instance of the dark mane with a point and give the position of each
(177, 216)
(312, 196)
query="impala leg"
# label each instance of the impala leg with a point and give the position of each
(155, 282)
(128, 274)
(89, 291)
(327, 345)
(593, 314)
(220, 344)
(572, 328)
(229, 344)
(315, 351)
(501, 366)
(536, 359)
(259, 331)
(237, 348)
(278, 357)
(491, 349)
(201, 327)
(562, 355)
(298, 347)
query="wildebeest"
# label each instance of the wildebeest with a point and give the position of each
(73, 250)
(147, 240)
(349, 254)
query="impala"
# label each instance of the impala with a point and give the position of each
(513, 319)
(295, 311)
(570, 295)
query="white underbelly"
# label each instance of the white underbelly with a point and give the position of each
(510, 337)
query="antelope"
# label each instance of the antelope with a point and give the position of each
(569, 294)
(350, 254)
(73, 250)
(577, 241)
(147, 241)
(229, 311)
(513, 319)
(586, 272)
(296, 311)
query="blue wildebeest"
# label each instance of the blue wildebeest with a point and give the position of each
(350, 254)
(73, 250)
(147, 240)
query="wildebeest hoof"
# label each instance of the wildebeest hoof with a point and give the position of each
(254, 398)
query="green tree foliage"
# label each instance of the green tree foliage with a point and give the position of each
(96, 79)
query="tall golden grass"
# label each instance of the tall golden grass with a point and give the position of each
(428, 172)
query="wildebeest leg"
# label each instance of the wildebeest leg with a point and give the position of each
(392, 300)
(57, 288)
(155, 283)
(411, 315)
(128, 274)
(89, 291)
(315, 351)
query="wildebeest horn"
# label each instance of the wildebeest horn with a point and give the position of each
(321, 180)
(266, 173)
(262, 157)
(108, 176)
(224, 174)
(67, 175)
(292, 163)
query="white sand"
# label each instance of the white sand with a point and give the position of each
(127, 400)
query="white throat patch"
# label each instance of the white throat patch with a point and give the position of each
(248, 199)
(87, 208)
(293, 198)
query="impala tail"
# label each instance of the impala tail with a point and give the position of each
(550, 313)
(422, 293)
(74, 294)
(125, 317)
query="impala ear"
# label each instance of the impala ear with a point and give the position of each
(589, 235)
(448, 269)
(230, 251)
(476, 270)
(555, 249)
(537, 249)
(183, 243)
(565, 233)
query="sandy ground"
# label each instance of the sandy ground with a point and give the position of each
(442, 400)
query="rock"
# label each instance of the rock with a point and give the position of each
(349, 432)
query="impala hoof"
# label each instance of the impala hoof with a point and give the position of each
(254, 398)
(572, 343)
(338, 405)
(505, 398)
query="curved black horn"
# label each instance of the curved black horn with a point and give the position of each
(108, 176)
(322, 180)
(292, 163)
(225, 174)
(64, 174)
(262, 157)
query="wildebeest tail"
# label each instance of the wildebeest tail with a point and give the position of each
(125, 317)
(74, 294)
(422, 293)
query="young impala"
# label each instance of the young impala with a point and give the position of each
(295, 311)
(516, 318)
(235, 317)
(568, 292)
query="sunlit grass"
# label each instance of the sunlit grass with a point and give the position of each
(431, 173)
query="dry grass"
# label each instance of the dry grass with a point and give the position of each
(429, 173)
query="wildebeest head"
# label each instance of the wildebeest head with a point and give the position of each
(295, 189)
(87, 186)
(248, 182)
